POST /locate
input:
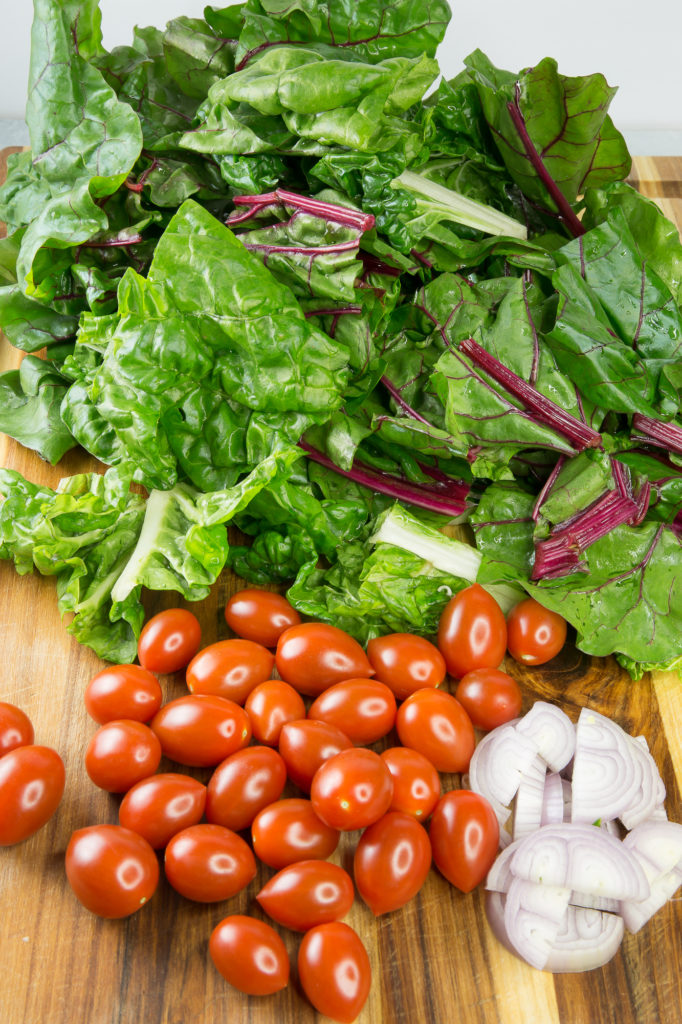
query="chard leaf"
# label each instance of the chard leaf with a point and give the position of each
(208, 366)
(139, 76)
(399, 583)
(484, 418)
(580, 481)
(665, 478)
(30, 400)
(22, 193)
(295, 90)
(628, 599)
(79, 130)
(83, 139)
(254, 174)
(618, 315)
(656, 238)
(30, 326)
(503, 529)
(200, 52)
(553, 132)
(363, 30)
(311, 246)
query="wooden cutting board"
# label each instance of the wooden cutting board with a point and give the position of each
(434, 962)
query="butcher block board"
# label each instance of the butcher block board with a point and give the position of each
(434, 962)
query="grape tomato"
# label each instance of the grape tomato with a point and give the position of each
(391, 862)
(162, 805)
(363, 709)
(16, 729)
(123, 691)
(352, 789)
(230, 668)
(306, 894)
(260, 615)
(489, 697)
(31, 787)
(289, 831)
(201, 730)
(169, 640)
(406, 662)
(416, 783)
(464, 835)
(305, 746)
(535, 634)
(112, 871)
(313, 656)
(208, 863)
(436, 724)
(122, 753)
(472, 632)
(270, 706)
(334, 970)
(243, 784)
(250, 955)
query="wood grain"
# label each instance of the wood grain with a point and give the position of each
(433, 962)
(657, 176)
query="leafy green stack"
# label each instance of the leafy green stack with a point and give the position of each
(281, 283)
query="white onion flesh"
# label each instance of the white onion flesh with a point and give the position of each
(553, 800)
(588, 902)
(648, 795)
(531, 934)
(635, 914)
(498, 764)
(583, 858)
(494, 910)
(529, 800)
(562, 891)
(588, 940)
(658, 844)
(659, 813)
(606, 777)
(551, 731)
(500, 875)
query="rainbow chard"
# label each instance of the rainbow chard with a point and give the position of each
(552, 132)
(363, 30)
(501, 388)
(623, 502)
(307, 242)
(627, 600)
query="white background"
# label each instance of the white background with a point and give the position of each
(636, 44)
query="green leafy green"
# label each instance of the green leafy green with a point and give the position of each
(208, 365)
(30, 400)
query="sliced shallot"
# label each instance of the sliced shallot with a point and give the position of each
(588, 939)
(529, 800)
(532, 934)
(648, 794)
(551, 731)
(583, 858)
(552, 800)
(658, 844)
(498, 764)
(606, 777)
(636, 913)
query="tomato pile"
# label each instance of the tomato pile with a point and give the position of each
(311, 730)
